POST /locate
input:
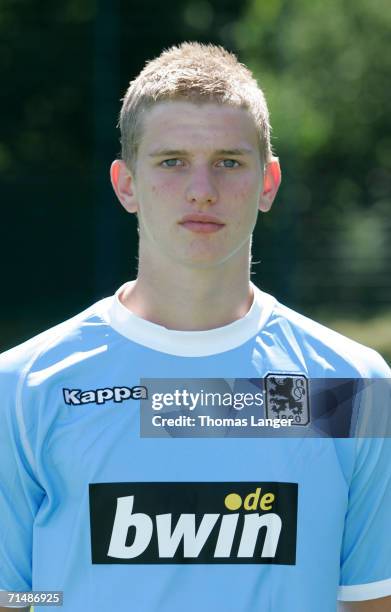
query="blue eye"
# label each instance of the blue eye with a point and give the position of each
(171, 163)
(229, 163)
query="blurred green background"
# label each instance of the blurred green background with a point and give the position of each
(325, 248)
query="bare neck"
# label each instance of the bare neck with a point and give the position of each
(184, 298)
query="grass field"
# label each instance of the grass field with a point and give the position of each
(374, 332)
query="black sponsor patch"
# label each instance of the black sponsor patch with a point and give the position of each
(194, 522)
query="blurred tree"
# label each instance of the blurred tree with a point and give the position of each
(46, 63)
(325, 67)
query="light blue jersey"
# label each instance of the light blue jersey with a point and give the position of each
(118, 521)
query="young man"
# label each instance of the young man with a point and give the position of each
(182, 516)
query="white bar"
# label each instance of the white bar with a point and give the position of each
(361, 592)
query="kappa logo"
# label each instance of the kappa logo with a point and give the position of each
(193, 522)
(74, 397)
(286, 397)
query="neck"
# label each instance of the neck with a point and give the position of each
(184, 298)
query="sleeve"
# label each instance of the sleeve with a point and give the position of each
(20, 493)
(366, 547)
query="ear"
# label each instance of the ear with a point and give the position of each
(123, 185)
(271, 183)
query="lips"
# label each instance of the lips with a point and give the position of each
(201, 224)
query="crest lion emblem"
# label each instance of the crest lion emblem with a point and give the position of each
(287, 398)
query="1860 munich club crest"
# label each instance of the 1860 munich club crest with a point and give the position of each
(287, 398)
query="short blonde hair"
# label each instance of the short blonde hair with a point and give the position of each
(196, 73)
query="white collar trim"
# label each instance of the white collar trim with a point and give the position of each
(189, 343)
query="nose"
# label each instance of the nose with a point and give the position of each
(201, 189)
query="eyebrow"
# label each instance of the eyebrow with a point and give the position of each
(182, 152)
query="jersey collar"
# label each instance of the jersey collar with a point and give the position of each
(190, 343)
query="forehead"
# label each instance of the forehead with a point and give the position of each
(209, 126)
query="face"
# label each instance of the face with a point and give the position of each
(197, 184)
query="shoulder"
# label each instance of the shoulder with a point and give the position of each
(56, 343)
(325, 351)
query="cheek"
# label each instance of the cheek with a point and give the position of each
(164, 187)
(154, 184)
(248, 188)
(156, 196)
(244, 200)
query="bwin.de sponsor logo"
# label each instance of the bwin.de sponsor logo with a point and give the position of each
(74, 397)
(210, 523)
